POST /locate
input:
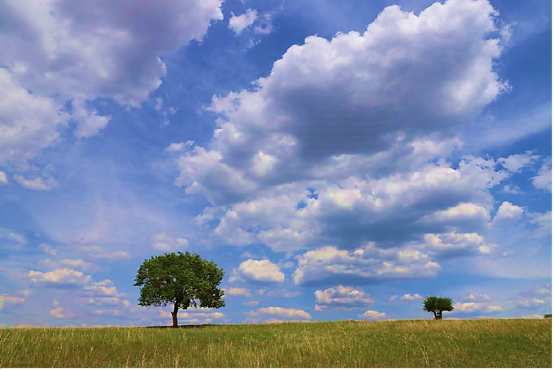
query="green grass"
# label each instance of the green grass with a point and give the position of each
(415, 343)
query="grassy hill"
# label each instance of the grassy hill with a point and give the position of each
(405, 343)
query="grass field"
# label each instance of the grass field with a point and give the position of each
(418, 343)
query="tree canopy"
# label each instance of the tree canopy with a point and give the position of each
(182, 279)
(437, 305)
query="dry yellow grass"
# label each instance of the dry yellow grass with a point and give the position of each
(417, 343)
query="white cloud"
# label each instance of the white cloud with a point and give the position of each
(48, 249)
(329, 265)
(66, 52)
(58, 313)
(3, 178)
(260, 272)
(508, 211)
(104, 288)
(195, 317)
(389, 211)
(511, 189)
(544, 222)
(89, 123)
(241, 292)
(29, 122)
(323, 89)
(373, 315)
(533, 303)
(477, 308)
(392, 298)
(284, 293)
(476, 297)
(241, 22)
(95, 251)
(252, 303)
(264, 25)
(450, 245)
(516, 162)
(165, 242)
(409, 297)
(6, 299)
(36, 183)
(74, 264)
(11, 235)
(532, 317)
(60, 276)
(282, 314)
(178, 147)
(159, 104)
(544, 178)
(341, 298)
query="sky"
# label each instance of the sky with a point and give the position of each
(339, 160)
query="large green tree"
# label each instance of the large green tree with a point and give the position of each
(437, 305)
(182, 279)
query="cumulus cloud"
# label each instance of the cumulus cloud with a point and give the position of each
(516, 162)
(48, 249)
(68, 53)
(451, 245)
(284, 165)
(476, 297)
(241, 292)
(544, 223)
(6, 299)
(544, 178)
(252, 303)
(58, 313)
(340, 298)
(3, 178)
(511, 189)
(239, 23)
(75, 264)
(258, 272)
(98, 252)
(410, 297)
(159, 104)
(473, 308)
(195, 317)
(104, 288)
(373, 315)
(284, 293)
(311, 117)
(29, 122)
(371, 265)
(278, 314)
(105, 301)
(533, 303)
(36, 183)
(508, 211)
(8, 234)
(389, 211)
(178, 147)
(60, 277)
(167, 243)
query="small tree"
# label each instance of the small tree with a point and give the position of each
(185, 280)
(437, 305)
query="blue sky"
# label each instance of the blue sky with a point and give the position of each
(339, 160)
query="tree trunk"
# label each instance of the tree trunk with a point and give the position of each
(174, 316)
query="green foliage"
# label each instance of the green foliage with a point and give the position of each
(184, 280)
(437, 305)
(548, 316)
